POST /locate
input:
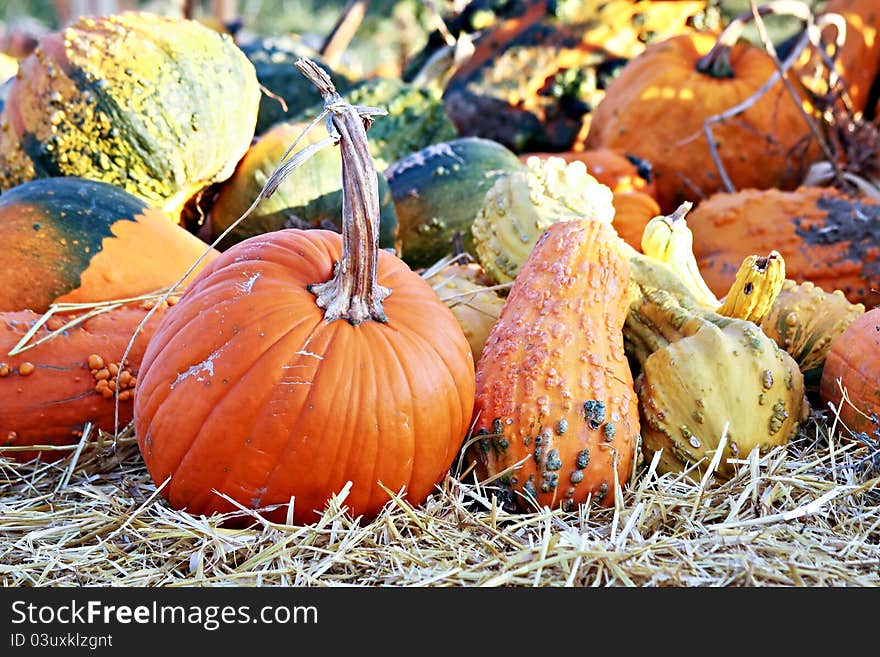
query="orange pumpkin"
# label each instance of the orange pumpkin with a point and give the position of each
(555, 402)
(656, 107)
(275, 388)
(852, 364)
(632, 212)
(533, 78)
(825, 236)
(50, 391)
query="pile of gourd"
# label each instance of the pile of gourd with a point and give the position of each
(575, 238)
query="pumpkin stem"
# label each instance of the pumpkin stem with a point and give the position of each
(716, 62)
(353, 292)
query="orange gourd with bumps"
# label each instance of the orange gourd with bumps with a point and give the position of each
(555, 403)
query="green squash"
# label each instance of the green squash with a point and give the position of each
(438, 192)
(273, 58)
(416, 118)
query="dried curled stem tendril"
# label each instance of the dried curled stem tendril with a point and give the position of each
(353, 292)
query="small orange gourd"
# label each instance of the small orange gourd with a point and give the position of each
(51, 390)
(853, 365)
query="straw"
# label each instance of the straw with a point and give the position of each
(790, 517)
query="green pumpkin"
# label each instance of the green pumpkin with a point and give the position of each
(160, 107)
(310, 196)
(438, 192)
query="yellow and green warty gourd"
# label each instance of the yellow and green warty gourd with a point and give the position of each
(161, 107)
(701, 375)
(476, 306)
(754, 291)
(668, 238)
(801, 318)
(520, 206)
(805, 320)
(704, 377)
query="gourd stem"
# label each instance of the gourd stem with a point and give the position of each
(716, 62)
(657, 318)
(353, 292)
(679, 214)
(756, 286)
(641, 339)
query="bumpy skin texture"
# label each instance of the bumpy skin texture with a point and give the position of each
(246, 389)
(630, 180)
(554, 388)
(49, 392)
(758, 282)
(157, 106)
(80, 241)
(854, 364)
(520, 206)
(310, 197)
(825, 237)
(438, 191)
(805, 320)
(704, 376)
(610, 167)
(475, 305)
(858, 61)
(655, 109)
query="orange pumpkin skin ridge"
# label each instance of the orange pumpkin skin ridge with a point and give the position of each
(49, 392)
(247, 390)
(853, 360)
(554, 388)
